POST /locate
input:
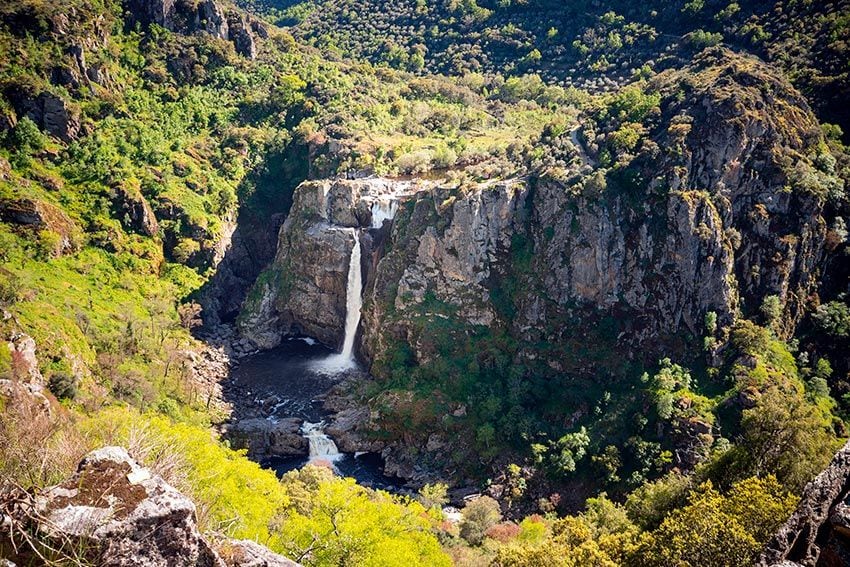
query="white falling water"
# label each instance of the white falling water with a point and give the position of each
(321, 446)
(383, 210)
(353, 299)
(353, 302)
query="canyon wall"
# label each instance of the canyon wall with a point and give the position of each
(719, 210)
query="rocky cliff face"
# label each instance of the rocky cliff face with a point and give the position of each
(304, 290)
(206, 16)
(728, 213)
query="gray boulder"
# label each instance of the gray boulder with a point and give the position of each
(114, 513)
(246, 553)
(129, 515)
(264, 437)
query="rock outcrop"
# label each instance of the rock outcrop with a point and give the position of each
(207, 16)
(135, 210)
(37, 215)
(264, 437)
(113, 512)
(818, 533)
(23, 350)
(241, 34)
(50, 112)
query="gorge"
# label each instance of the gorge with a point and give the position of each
(500, 283)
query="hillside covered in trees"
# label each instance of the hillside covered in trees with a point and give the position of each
(585, 265)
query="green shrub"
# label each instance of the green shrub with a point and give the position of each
(479, 516)
(833, 319)
(700, 39)
(26, 138)
(63, 385)
(10, 288)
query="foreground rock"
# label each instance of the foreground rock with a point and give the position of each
(117, 513)
(246, 553)
(818, 534)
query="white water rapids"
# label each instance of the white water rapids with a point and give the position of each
(353, 302)
(321, 446)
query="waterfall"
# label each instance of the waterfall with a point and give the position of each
(353, 302)
(383, 210)
(353, 299)
(321, 446)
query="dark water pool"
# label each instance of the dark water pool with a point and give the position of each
(285, 382)
(285, 374)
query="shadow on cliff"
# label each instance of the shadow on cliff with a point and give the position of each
(266, 196)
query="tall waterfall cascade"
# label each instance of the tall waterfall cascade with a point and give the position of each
(353, 302)
(321, 446)
(353, 299)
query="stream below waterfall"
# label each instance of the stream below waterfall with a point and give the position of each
(288, 382)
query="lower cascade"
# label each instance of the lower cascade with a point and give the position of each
(353, 302)
(321, 447)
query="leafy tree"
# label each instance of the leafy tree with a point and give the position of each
(626, 138)
(719, 530)
(63, 385)
(606, 517)
(771, 310)
(479, 516)
(648, 505)
(711, 322)
(10, 287)
(783, 435)
(833, 319)
(633, 104)
(568, 450)
(336, 522)
(434, 495)
(26, 138)
(700, 39)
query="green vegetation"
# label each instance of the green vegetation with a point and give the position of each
(238, 498)
(578, 42)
